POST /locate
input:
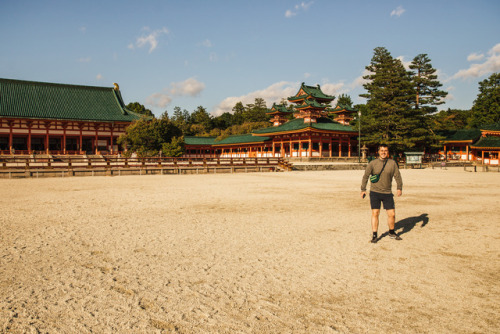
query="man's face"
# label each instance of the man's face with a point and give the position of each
(383, 152)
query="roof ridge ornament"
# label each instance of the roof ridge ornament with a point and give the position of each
(117, 88)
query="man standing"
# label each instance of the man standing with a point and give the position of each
(381, 189)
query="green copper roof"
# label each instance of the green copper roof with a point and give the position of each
(461, 135)
(192, 140)
(322, 123)
(341, 107)
(29, 99)
(494, 127)
(278, 108)
(314, 91)
(310, 103)
(488, 142)
(241, 139)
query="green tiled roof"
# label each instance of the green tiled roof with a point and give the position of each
(342, 107)
(29, 99)
(278, 108)
(494, 127)
(488, 142)
(322, 123)
(314, 91)
(192, 140)
(241, 139)
(461, 135)
(310, 103)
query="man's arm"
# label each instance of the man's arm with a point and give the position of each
(399, 180)
(364, 180)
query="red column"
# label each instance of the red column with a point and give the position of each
(29, 137)
(11, 124)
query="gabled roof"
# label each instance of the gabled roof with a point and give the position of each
(241, 139)
(312, 91)
(340, 108)
(460, 135)
(491, 142)
(322, 123)
(41, 100)
(192, 140)
(310, 103)
(493, 127)
(278, 108)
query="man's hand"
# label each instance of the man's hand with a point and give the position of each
(399, 193)
(363, 194)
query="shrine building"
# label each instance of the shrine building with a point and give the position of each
(473, 144)
(305, 132)
(50, 118)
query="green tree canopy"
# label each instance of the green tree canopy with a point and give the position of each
(486, 107)
(390, 118)
(147, 137)
(140, 109)
(427, 92)
(344, 100)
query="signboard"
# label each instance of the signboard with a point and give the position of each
(414, 157)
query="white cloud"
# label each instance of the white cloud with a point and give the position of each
(333, 88)
(307, 75)
(406, 63)
(190, 87)
(398, 11)
(150, 39)
(160, 100)
(83, 29)
(213, 57)
(207, 43)
(475, 56)
(273, 93)
(490, 65)
(98, 76)
(359, 81)
(302, 6)
(84, 60)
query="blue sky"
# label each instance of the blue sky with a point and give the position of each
(215, 53)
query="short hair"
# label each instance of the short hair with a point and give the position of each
(382, 145)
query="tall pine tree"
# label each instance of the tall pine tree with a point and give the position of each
(390, 118)
(427, 92)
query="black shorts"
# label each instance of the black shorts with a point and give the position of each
(377, 198)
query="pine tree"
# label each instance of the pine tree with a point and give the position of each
(427, 92)
(390, 94)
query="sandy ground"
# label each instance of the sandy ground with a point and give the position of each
(248, 253)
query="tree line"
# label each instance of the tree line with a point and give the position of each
(401, 111)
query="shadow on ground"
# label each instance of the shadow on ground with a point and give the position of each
(406, 225)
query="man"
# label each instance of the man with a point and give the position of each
(381, 190)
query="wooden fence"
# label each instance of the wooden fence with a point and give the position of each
(38, 166)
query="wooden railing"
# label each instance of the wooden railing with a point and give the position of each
(112, 165)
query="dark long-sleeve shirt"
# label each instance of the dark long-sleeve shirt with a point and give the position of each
(384, 185)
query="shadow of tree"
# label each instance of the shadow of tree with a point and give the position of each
(406, 225)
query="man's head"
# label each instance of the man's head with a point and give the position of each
(383, 151)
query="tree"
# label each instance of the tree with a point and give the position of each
(451, 119)
(238, 111)
(147, 137)
(140, 109)
(486, 107)
(256, 112)
(390, 95)
(427, 92)
(202, 118)
(344, 100)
